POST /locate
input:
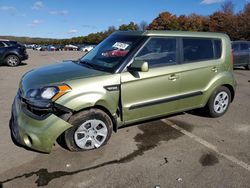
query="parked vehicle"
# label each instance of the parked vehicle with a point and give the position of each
(241, 51)
(156, 73)
(87, 48)
(41, 48)
(70, 47)
(51, 48)
(12, 53)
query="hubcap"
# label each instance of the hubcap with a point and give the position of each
(221, 102)
(91, 134)
(12, 60)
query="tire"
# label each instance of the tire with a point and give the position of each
(247, 66)
(12, 60)
(219, 102)
(91, 129)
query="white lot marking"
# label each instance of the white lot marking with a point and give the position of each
(207, 144)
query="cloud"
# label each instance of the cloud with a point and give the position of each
(7, 8)
(59, 12)
(37, 5)
(208, 2)
(119, 20)
(72, 31)
(35, 22)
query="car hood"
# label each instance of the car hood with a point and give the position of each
(56, 74)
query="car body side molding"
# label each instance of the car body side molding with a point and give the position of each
(165, 100)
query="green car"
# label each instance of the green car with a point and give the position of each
(129, 77)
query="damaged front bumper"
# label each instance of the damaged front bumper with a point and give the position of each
(36, 133)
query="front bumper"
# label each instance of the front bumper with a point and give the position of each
(36, 134)
(24, 57)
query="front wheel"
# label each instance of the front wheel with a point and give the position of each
(219, 102)
(12, 60)
(91, 129)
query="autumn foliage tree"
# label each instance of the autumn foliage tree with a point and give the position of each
(225, 20)
(237, 26)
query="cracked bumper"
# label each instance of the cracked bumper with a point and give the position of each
(36, 134)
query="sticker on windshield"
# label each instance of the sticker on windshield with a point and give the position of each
(120, 45)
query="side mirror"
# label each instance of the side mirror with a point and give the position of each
(138, 65)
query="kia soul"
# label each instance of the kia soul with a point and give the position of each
(128, 78)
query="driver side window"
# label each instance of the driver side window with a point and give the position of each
(158, 52)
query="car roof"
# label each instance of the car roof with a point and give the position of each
(165, 33)
(6, 40)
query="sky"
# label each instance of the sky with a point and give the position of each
(66, 19)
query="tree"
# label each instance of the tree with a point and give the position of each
(129, 27)
(243, 19)
(165, 21)
(224, 21)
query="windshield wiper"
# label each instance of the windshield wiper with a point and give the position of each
(88, 64)
(91, 65)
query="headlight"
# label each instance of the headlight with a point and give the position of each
(48, 93)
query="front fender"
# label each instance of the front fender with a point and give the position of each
(91, 92)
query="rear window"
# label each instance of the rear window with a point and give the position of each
(199, 49)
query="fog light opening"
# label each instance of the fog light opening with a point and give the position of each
(27, 140)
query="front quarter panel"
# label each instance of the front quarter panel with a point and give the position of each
(90, 92)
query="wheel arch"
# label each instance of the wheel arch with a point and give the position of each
(231, 89)
(105, 110)
(11, 53)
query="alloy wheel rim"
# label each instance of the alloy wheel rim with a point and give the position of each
(221, 102)
(12, 60)
(91, 134)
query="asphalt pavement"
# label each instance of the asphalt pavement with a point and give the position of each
(186, 150)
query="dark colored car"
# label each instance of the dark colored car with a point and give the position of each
(241, 53)
(12, 53)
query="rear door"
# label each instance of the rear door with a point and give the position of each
(150, 94)
(200, 64)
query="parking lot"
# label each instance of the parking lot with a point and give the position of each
(186, 150)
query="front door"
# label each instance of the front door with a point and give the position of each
(151, 94)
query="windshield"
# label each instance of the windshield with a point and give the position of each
(111, 52)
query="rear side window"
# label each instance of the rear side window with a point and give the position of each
(217, 48)
(197, 49)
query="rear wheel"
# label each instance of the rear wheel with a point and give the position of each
(91, 129)
(12, 60)
(219, 102)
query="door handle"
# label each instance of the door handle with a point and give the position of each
(173, 77)
(215, 69)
